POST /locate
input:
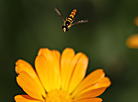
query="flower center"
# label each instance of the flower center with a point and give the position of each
(58, 96)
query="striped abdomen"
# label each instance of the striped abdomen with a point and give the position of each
(71, 16)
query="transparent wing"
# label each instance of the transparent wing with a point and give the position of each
(81, 21)
(58, 12)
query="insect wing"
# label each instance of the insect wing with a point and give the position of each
(58, 12)
(81, 21)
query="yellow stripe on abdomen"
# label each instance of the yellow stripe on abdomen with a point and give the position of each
(73, 13)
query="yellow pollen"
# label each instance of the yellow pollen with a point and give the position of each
(58, 96)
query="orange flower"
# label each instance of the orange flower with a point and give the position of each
(59, 78)
(132, 41)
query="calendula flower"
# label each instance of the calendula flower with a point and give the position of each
(132, 41)
(59, 78)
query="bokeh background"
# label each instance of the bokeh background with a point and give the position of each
(27, 25)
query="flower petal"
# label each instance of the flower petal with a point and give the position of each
(47, 67)
(71, 68)
(56, 73)
(90, 100)
(90, 94)
(43, 71)
(103, 83)
(91, 79)
(25, 98)
(78, 73)
(66, 59)
(22, 65)
(30, 85)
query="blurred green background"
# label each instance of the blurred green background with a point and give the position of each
(27, 25)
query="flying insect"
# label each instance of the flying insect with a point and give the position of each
(69, 21)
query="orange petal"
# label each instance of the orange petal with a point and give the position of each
(25, 98)
(31, 86)
(91, 79)
(66, 58)
(71, 68)
(105, 82)
(56, 73)
(47, 67)
(132, 41)
(78, 73)
(54, 58)
(90, 100)
(42, 51)
(43, 69)
(22, 65)
(90, 94)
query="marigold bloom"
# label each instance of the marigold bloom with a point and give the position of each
(59, 78)
(132, 41)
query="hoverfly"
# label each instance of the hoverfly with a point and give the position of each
(69, 21)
